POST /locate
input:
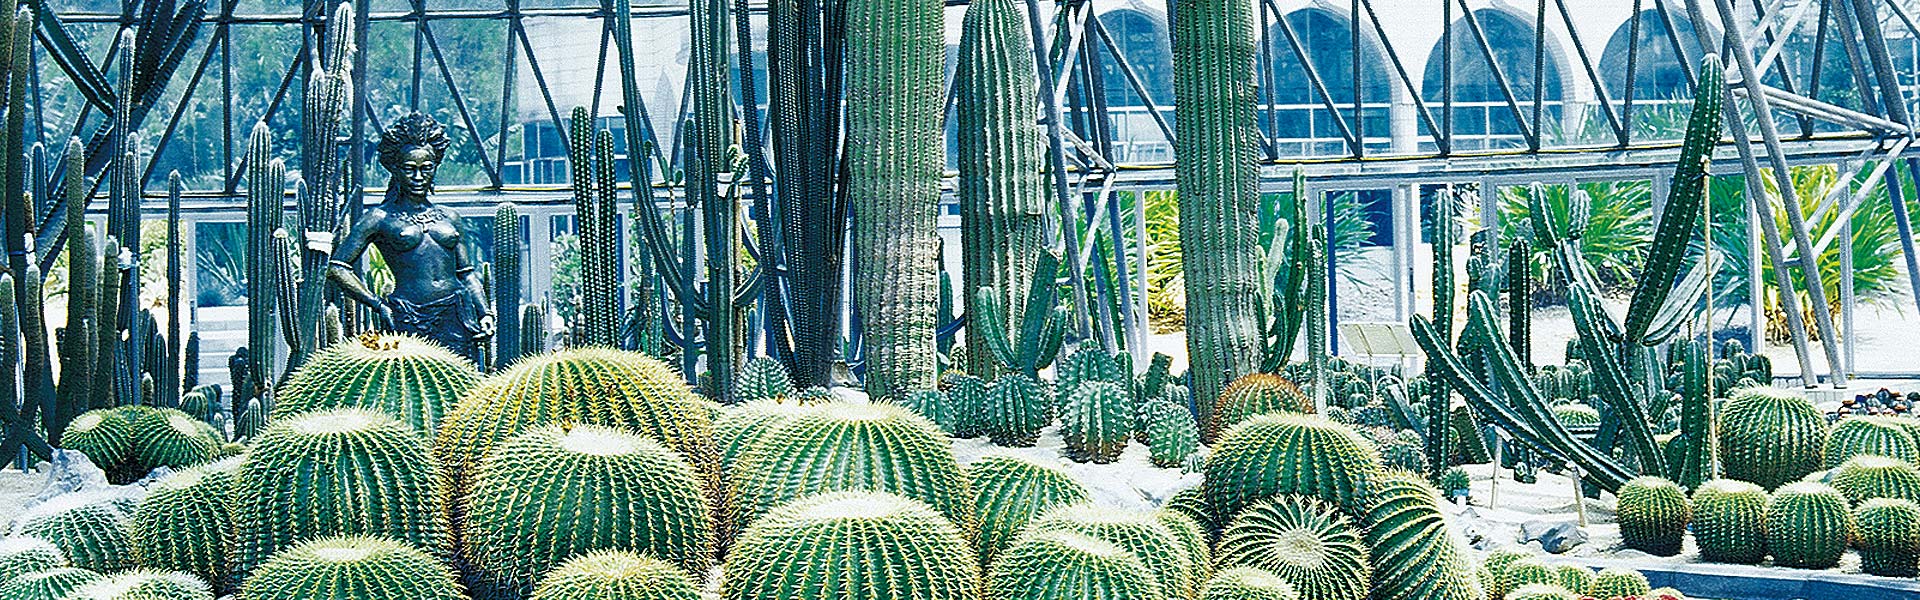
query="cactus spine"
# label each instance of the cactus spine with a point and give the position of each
(1097, 421)
(1690, 456)
(266, 186)
(1770, 437)
(894, 67)
(506, 282)
(1001, 189)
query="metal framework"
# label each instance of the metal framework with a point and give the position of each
(1425, 142)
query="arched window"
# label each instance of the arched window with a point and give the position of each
(1657, 71)
(1481, 117)
(1142, 37)
(1300, 118)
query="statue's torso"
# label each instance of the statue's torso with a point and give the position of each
(420, 245)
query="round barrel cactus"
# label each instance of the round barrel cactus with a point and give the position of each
(616, 575)
(1653, 514)
(969, 397)
(741, 426)
(932, 404)
(1016, 409)
(1882, 436)
(1009, 491)
(186, 522)
(862, 545)
(316, 475)
(1807, 525)
(1770, 436)
(1064, 565)
(164, 437)
(1305, 541)
(762, 378)
(1289, 454)
(1618, 582)
(588, 386)
(1192, 502)
(1541, 591)
(1171, 434)
(1248, 583)
(94, 533)
(1887, 531)
(51, 584)
(874, 447)
(1256, 394)
(1153, 543)
(408, 377)
(20, 555)
(1869, 476)
(1493, 574)
(1192, 538)
(1573, 577)
(1097, 421)
(1730, 521)
(352, 568)
(1530, 571)
(1414, 554)
(106, 436)
(554, 492)
(144, 585)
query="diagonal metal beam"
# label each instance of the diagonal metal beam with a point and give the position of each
(1314, 80)
(1439, 135)
(1593, 74)
(1500, 76)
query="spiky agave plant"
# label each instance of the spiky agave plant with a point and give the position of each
(409, 377)
(1009, 491)
(1137, 532)
(1303, 540)
(94, 534)
(835, 447)
(555, 492)
(616, 575)
(352, 568)
(1066, 565)
(860, 544)
(185, 523)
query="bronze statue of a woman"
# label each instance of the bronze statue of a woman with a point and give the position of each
(436, 293)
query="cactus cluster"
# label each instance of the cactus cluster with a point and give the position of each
(352, 568)
(129, 441)
(408, 377)
(1305, 541)
(835, 447)
(1807, 525)
(1016, 408)
(856, 543)
(1653, 514)
(1289, 454)
(1730, 521)
(1008, 492)
(1770, 437)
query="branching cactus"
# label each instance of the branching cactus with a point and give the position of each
(1002, 193)
(1042, 323)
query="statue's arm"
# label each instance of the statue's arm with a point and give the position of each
(463, 267)
(340, 268)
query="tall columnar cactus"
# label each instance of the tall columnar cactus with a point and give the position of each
(186, 522)
(858, 544)
(1868, 476)
(302, 482)
(107, 343)
(19, 204)
(170, 374)
(1653, 515)
(1441, 234)
(1016, 409)
(616, 575)
(1887, 531)
(1807, 525)
(325, 109)
(94, 534)
(1097, 421)
(555, 492)
(1318, 349)
(1289, 454)
(78, 341)
(36, 371)
(1213, 59)
(839, 447)
(1002, 193)
(1414, 554)
(1770, 436)
(595, 324)
(406, 377)
(894, 57)
(1008, 492)
(1690, 455)
(266, 190)
(51, 584)
(190, 362)
(1256, 394)
(506, 283)
(352, 568)
(1303, 540)
(1140, 533)
(1041, 327)
(533, 330)
(1171, 433)
(1882, 436)
(1730, 521)
(1066, 565)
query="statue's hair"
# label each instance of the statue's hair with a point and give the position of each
(415, 130)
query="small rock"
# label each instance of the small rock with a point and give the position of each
(1554, 537)
(70, 471)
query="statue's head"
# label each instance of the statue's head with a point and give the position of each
(411, 149)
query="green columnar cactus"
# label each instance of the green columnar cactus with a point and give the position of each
(266, 191)
(125, 180)
(862, 545)
(616, 575)
(1730, 521)
(933, 405)
(554, 492)
(894, 58)
(190, 362)
(762, 379)
(186, 522)
(165, 437)
(307, 477)
(1289, 454)
(325, 109)
(1867, 476)
(1887, 532)
(1770, 436)
(1009, 491)
(1216, 141)
(253, 419)
(1653, 514)
(533, 330)
(586, 386)
(835, 447)
(1256, 394)
(1016, 409)
(1042, 325)
(1690, 454)
(1067, 565)
(352, 568)
(1171, 433)
(709, 145)
(1414, 554)
(1002, 192)
(593, 325)
(94, 534)
(1617, 582)
(408, 377)
(106, 369)
(506, 283)
(968, 396)
(1541, 591)
(51, 584)
(1882, 436)
(20, 555)
(78, 342)
(1097, 421)
(1140, 533)
(1442, 234)
(106, 437)
(1303, 540)
(1807, 525)
(170, 374)
(1573, 577)
(1248, 583)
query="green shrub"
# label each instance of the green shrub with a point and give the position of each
(1097, 421)
(1303, 540)
(408, 377)
(1730, 521)
(94, 534)
(186, 522)
(1807, 525)
(873, 447)
(1009, 491)
(1065, 565)
(1882, 436)
(20, 555)
(1770, 436)
(51, 584)
(1414, 554)
(1289, 454)
(1256, 394)
(616, 575)
(862, 545)
(1248, 583)
(1617, 582)
(1887, 531)
(1868, 476)
(1653, 515)
(352, 568)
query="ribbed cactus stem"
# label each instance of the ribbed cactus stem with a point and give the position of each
(325, 109)
(712, 136)
(1316, 313)
(894, 67)
(266, 185)
(533, 330)
(506, 281)
(37, 370)
(106, 332)
(1519, 301)
(1001, 189)
(170, 388)
(190, 362)
(603, 280)
(83, 293)
(9, 356)
(1441, 237)
(16, 39)
(1213, 61)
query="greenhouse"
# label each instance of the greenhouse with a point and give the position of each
(960, 300)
